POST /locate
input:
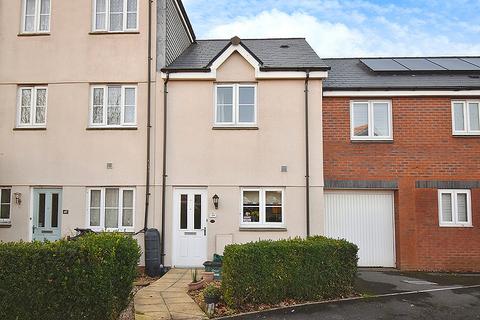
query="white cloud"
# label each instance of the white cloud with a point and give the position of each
(377, 37)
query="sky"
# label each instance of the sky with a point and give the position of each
(357, 28)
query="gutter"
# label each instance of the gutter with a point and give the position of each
(149, 120)
(164, 168)
(307, 156)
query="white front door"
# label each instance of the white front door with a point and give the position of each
(189, 223)
(366, 219)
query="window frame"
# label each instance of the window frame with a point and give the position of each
(36, 18)
(101, 227)
(454, 222)
(107, 18)
(6, 221)
(262, 208)
(371, 121)
(466, 118)
(235, 105)
(33, 107)
(104, 123)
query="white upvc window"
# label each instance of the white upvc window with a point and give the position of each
(262, 207)
(5, 205)
(111, 209)
(32, 106)
(454, 208)
(36, 16)
(371, 120)
(113, 106)
(235, 105)
(466, 117)
(115, 15)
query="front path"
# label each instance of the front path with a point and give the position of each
(167, 298)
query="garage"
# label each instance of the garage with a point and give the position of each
(366, 219)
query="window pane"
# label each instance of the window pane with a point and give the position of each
(116, 22)
(30, 7)
(273, 198)
(6, 195)
(101, 6)
(246, 95)
(129, 115)
(44, 22)
(224, 113)
(25, 115)
(111, 218)
(474, 116)
(41, 210)
(94, 217)
(30, 23)
(127, 218)
(251, 214)
(130, 96)
(26, 97)
(111, 197)
(197, 212)
(54, 220)
(131, 5)
(95, 198)
(40, 115)
(273, 214)
(183, 211)
(246, 113)
(360, 119)
(225, 95)
(5, 211)
(98, 114)
(458, 117)
(380, 119)
(251, 198)
(131, 20)
(100, 21)
(447, 207)
(462, 207)
(98, 96)
(128, 198)
(114, 101)
(45, 7)
(41, 97)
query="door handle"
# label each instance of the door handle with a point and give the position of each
(33, 229)
(204, 231)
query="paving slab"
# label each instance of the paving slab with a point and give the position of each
(167, 299)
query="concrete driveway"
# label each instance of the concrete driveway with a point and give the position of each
(395, 295)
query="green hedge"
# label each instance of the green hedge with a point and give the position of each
(272, 271)
(89, 278)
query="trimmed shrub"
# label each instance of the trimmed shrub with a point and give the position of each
(272, 271)
(89, 278)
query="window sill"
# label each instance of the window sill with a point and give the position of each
(111, 128)
(96, 33)
(456, 226)
(30, 128)
(5, 224)
(33, 34)
(466, 135)
(262, 229)
(234, 128)
(371, 140)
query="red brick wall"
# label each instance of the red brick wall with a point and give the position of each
(423, 148)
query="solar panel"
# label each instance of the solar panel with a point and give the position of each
(454, 64)
(475, 61)
(419, 64)
(383, 65)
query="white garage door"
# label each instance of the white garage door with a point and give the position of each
(366, 219)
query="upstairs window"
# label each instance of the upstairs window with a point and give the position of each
(235, 105)
(466, 117)
(454, 208)
(36, 16)
(371, 120)
(262, 207)
(115, 15)
(113, 106)
(5, 205)
(32, 106)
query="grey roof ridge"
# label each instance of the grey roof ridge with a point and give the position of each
(268, 38)
(403, 57)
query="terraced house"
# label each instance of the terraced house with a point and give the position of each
(114, 117)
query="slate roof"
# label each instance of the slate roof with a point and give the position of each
(352, 74)
(273, 54)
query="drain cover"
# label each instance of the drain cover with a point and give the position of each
(419, 282)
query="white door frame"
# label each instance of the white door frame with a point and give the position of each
(176, 221)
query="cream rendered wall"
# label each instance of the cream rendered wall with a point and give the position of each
(225, 160)
(67, 155)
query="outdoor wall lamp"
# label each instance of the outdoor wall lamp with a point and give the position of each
(18, 198)
(215, 201)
